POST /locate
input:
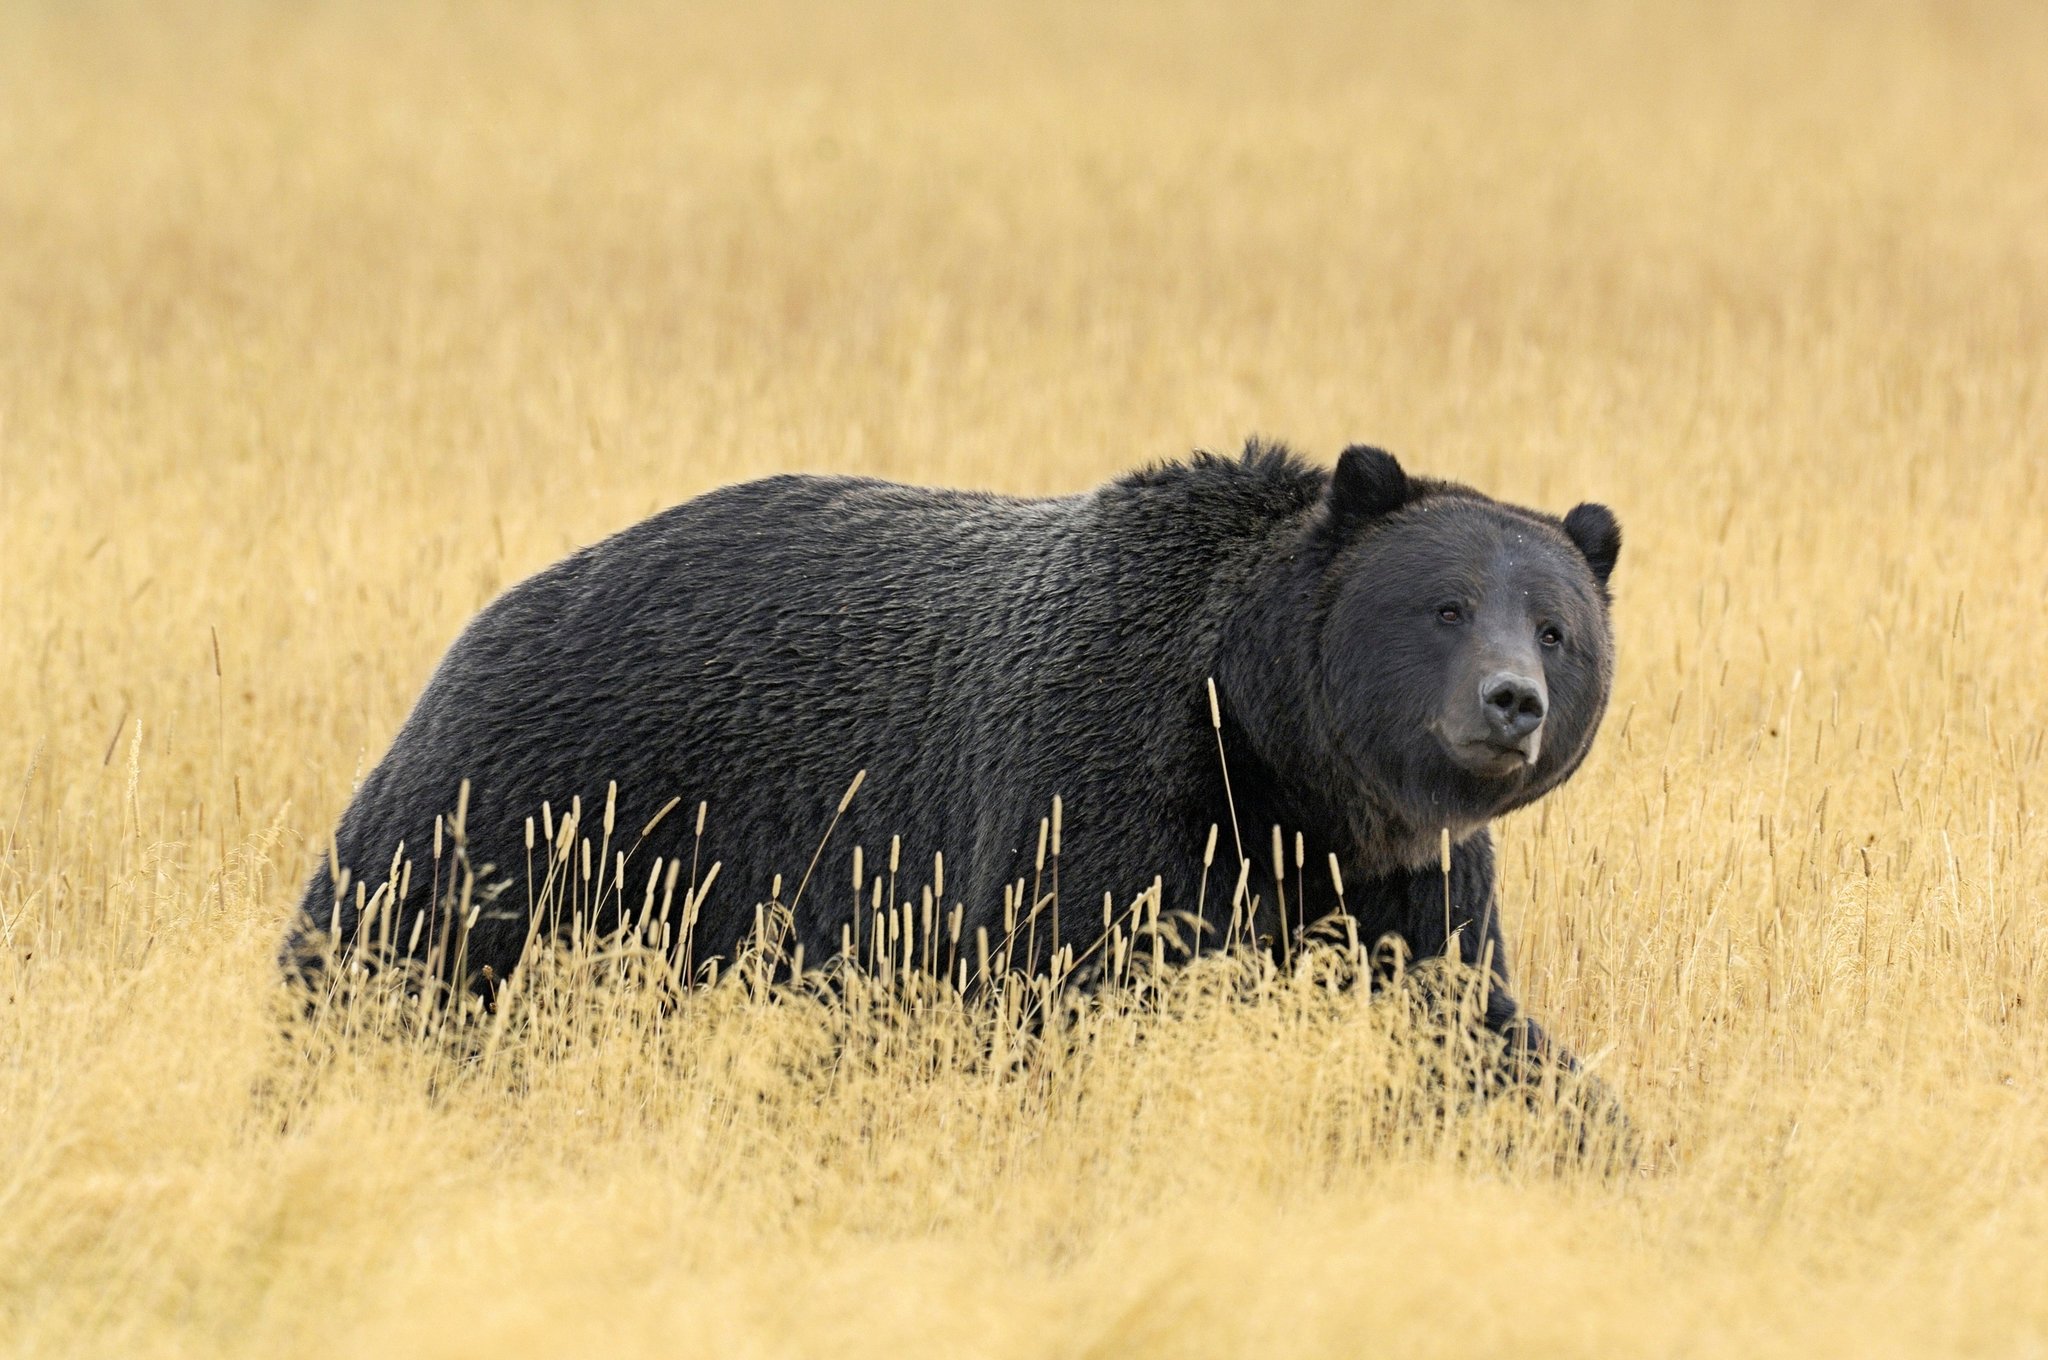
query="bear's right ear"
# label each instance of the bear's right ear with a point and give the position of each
(1367, 483)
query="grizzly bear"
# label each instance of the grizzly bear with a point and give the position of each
(1375, 663)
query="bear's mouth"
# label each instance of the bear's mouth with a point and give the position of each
(1494, 759)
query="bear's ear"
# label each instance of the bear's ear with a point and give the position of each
(1598, 535)
(1367, 483)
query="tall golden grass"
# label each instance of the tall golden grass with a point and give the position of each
(320, 324)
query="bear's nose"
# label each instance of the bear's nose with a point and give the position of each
(1514, 705)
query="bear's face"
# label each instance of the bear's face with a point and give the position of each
(1466, 652)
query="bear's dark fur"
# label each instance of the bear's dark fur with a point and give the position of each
(1395, 657)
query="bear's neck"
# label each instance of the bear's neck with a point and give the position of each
(1369, 836)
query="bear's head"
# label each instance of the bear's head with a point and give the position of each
(1464, 648)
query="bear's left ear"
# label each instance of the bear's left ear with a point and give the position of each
(1598, 535)
(1367, 483)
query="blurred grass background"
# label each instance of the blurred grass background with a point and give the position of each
(322, 323)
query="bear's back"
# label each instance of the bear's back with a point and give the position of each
(753, 648)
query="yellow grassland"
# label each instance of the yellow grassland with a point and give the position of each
(321, 323)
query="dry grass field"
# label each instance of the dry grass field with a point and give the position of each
(321, 323)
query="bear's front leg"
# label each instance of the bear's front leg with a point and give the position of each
(1468, 917)
(1432, 909)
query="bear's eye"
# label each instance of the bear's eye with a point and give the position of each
(1551, 636)
(1450, 613)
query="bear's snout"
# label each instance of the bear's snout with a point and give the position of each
(1514, 706)
(1497, 730)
